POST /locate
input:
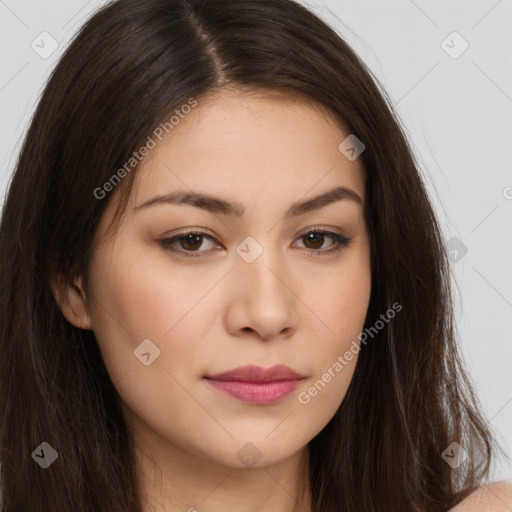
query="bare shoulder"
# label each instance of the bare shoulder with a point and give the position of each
(492, 497)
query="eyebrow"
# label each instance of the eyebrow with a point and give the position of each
(218, 205)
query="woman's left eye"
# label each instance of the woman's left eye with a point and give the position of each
(315, 236)
(193, 240)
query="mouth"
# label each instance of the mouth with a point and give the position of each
(255, 385)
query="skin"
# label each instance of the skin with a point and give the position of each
(217, 311)
(492, 497)
(264, 153)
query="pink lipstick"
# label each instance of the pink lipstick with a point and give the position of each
(256, 385)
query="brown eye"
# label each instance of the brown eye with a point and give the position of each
(315, 238)
(191, 242)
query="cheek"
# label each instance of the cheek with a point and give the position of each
(341, 304)
(133, 301)
(142, 297)
(139, 312)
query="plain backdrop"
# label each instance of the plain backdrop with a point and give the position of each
(447, 66)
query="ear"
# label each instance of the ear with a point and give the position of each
(72, 300)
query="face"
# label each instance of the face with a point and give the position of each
(259, 282)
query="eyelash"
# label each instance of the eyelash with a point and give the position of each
(341, 242)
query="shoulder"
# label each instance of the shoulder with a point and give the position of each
(491, 497)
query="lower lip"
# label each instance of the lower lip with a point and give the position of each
(256, 393)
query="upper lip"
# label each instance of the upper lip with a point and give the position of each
(252, 373)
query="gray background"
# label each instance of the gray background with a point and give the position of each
(458, 113)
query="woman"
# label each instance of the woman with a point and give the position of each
(223, 285)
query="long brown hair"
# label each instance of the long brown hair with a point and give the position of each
(132, 64)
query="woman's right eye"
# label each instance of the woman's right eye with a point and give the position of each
(190, 242)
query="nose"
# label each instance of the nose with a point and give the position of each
(262, 303)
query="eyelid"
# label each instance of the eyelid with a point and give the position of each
(324, 229)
